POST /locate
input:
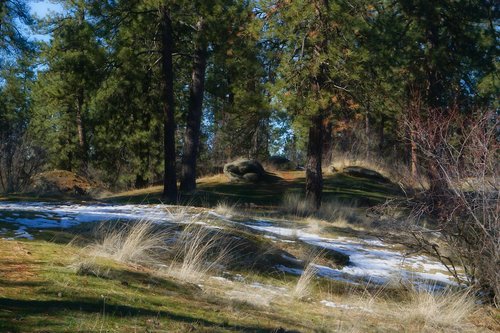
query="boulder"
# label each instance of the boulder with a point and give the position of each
(357, 171)
(245, 170)
(281, 163)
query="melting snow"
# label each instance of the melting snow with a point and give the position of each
(64, 215)
(343, 306)
(22, 233)
(370, 259)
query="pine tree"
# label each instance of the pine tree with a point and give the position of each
(317, 47)
(74, 61)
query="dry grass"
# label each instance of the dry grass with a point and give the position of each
(432, 310)
(226, 209)
(303, 288)
(89, 266)
(417, 310)
(198, 250)
(333, 212)
(140, 243)
(181, 214)
(314, 225)
(296, 205)
(214, 179)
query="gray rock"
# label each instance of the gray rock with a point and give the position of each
(244, 170)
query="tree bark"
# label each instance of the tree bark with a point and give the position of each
(195, 111)
(82, 142)
(413, 155)
(167, 40)
(314, 176)
(381, 135)
(80, 128)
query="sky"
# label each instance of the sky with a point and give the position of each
(40, 9)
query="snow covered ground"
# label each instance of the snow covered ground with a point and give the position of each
(371, 260)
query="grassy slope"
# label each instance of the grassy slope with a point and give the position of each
(41, 292)
(339, 187)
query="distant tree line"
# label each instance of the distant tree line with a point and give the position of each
(133, 92)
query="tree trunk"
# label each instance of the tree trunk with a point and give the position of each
(169, 179)
(82, 142)
(413, 155)
(314, 176)
(80, 128)
(381, 144)
(195, 111)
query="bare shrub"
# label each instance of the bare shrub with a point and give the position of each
(20, 159)
(461, 207)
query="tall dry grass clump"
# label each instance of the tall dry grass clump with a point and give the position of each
(197, 251)
(295, 204)
(303, 288)
(224, 208)
(332, 211)
(432, 310)
(141, 242)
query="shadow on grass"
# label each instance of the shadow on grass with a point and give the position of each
(342, 187)
(17, 284)
(14, 309)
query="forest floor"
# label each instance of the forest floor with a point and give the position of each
(53, 280)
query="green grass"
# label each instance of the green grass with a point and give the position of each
(40, 291)
(338, 187)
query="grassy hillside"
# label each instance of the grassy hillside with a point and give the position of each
(211, 190)
(84, 279)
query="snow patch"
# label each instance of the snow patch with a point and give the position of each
(343, 306)
(370, 260)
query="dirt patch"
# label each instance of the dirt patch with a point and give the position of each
(62, 183)
(16, 266)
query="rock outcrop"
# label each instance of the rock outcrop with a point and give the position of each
(245, 170)
(357, 171)
(281, 163)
